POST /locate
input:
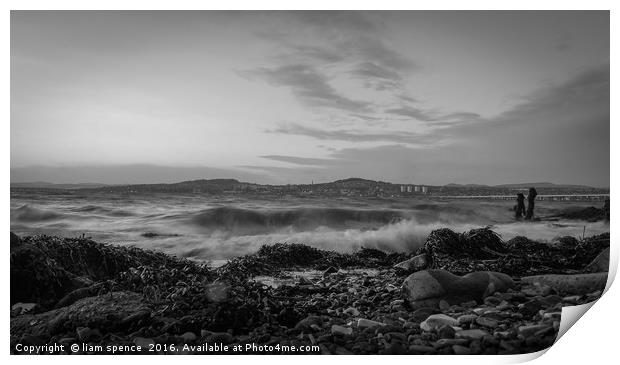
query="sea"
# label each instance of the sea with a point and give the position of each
(217, 228)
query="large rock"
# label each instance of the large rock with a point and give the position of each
(105, 312)
(569, 284)
(412, 265)
(600, 263)
(431, 285)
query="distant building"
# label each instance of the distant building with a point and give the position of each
(424, 189)
(409, 188)
(403, 188)
(417, 189)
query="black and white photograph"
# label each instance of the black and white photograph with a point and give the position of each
(306, 182)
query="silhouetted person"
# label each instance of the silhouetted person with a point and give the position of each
(531, 197)
(520, 208)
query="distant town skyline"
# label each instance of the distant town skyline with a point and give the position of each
(426, 97)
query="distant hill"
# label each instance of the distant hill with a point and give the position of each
(46, 185)
(348, 187)
(539, 185)
(453, 185)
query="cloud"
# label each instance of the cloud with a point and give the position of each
(377, 77)
(322, 54)
(309, 86)
(301, 160)
(415, 113)
(329, 44)
(356, 136)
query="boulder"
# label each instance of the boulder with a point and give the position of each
(431, 285)
(569, 284)
(412, 265)
(600, 263)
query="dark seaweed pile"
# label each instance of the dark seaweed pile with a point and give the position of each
(482, 249)
(271, 259)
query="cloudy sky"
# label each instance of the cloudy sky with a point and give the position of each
(286, 97)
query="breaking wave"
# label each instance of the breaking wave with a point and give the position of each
(26, 213)
(246, 221)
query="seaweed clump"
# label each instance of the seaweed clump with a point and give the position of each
(484, 250)
(271, 259)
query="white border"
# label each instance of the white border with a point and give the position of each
(593, 337)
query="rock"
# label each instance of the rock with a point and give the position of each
(23, 308)
(569, 284)
(446, 331)
(189, 337)
(466, 318)
(220, 337)
(134, 318)
(461, 350)
(420, 349)
(78, 294)
(304, 281)
(143, 342)
(473, 334)
(600, 263)
(536, 290)
(486, 322)
(367, 323)
(330, 270)
(86, 334)
(307, 323)
(412, 265)
(15, 241)
(451, 342)
(441, 284)
(67, 341)
(530, 330)
(352, 311)
(421, 314)
(435, 321)
(443, 305)
(102, 311)
(341, 330)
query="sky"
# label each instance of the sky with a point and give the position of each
(293, 97)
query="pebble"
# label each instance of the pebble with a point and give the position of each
(443, 305)
(527, 331)
(341, 330)
(466, 318)
(473, 334)
(435, 321)
(189, 337)
(486, 322)
(451, 342)
(86, 334)
(352, 311)
(422, 349)
(461, 350)
(143, 342)
(446, 331)
(367, 323)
